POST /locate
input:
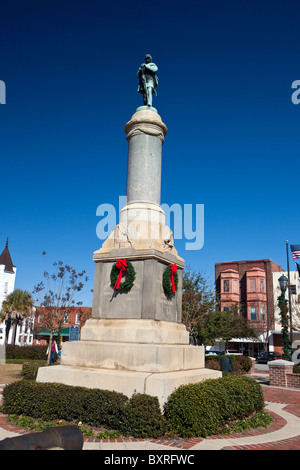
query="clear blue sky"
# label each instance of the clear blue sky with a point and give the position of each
(225, 71)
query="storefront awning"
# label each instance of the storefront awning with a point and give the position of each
(63, 332)
(240, 340)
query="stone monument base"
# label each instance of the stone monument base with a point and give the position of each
(124, 381)
(128, 356)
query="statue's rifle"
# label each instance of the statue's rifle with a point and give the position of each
(144, 79)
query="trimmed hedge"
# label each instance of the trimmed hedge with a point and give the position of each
(38, 353)
(216, 365)
(243, 363)
(296, 369)
(191, 410)
(142, 418)
(30, 369)
(200, 409)
(58, 401)
(139, 416)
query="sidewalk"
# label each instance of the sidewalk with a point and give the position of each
(283, 434)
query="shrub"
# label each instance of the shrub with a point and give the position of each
(296, 369)
(101, 407)
(52, 401)
(192, 410)
(30, 369)
(215, 358)
(25, 352)
(142, 417)
(244, 362)
(240, 365)
(139, 416)
(200, 409)
(213, 364)
(237, 368)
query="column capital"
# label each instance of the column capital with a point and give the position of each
(146, 121)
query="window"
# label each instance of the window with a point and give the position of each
(253, 316)
(77, 321)
(252, 285)
(66, 317)
(262, 285)
(40, 317)
(226, 285)
(5, 288)
(225, 308)
(262, 313)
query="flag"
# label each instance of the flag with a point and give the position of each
(295, 249)
(298, 268)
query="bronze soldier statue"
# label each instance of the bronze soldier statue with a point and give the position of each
(148, 80)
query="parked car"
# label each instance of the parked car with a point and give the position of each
(264, 357)
(232, 352)
(214, 353)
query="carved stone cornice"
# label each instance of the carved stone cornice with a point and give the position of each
(146, 122)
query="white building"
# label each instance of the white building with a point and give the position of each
(295, 306)
(7, 274)
(7, 283)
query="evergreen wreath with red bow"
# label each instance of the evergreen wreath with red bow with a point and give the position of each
(120, 267)
(170, 280)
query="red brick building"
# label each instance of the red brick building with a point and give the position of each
(74, 316)
(250, 285)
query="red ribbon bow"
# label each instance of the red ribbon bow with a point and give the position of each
(122, 266)
(173, 269)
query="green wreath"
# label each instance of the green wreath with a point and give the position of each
(129, 280)
(167, 282)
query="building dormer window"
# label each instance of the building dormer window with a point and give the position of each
(252, 285)
(226, 285)
(262, 285)
(253, 314)
(262, 313)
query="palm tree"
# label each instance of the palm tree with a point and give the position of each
(17, 306)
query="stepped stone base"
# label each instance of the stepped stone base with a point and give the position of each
(127, 382)
(129, 355)
(134, 331)
(147, 358)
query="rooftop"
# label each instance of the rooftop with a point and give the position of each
(5, 259)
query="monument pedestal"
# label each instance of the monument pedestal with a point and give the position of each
(127, 382)
(135, 340)
(130, 356)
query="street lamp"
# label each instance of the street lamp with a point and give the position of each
(282, 303)
(283, 282)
